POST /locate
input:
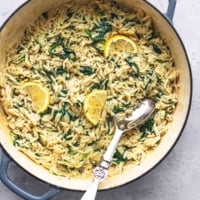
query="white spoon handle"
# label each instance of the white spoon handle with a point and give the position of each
(90, 194)
(101, 171)
(108, 155)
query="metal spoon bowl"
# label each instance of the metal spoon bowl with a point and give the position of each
(137, 117)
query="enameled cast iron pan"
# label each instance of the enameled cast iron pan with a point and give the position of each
(11, 31)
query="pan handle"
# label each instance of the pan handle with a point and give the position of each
(22, 193)
(171, 9)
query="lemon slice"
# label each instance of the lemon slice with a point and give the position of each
(38, 94)
(93, 105)
(119, 44)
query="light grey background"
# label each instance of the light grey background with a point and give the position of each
(178, 176)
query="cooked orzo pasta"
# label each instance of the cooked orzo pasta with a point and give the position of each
(63, 54)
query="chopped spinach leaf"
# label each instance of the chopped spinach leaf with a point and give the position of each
(85, 155)
(44, 72)
(91, 143)
(60, 70)
(15, 140)
(87, 70)
(97, 33)
(73, 153)
(53, 47)
(114, 16)
(156, 49)
(70, 14)
(131, 63)
(159, 80)
(159, 95)
(161, 61)
(132, 22)
(102, 85)
(79, 103)
(76, 144)
(118, 109)
(147, 127)
(148, 84)
(20, 104)
(46, 112)
(119, 157)
(96, 86)
(16, 143)
(49, 73)
(101, 29)
(89, 33)
(65, 53)
(38, 154)
(64, 91)
(61, 111)
(108, 126)
(72, 117)
(19, 49)
(22, 59)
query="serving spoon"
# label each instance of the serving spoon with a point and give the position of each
(137, 117)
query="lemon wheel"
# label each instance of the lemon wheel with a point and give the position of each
(38, 94)
(93, 105)
(119, 44)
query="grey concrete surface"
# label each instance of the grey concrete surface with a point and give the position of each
(178, 176)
